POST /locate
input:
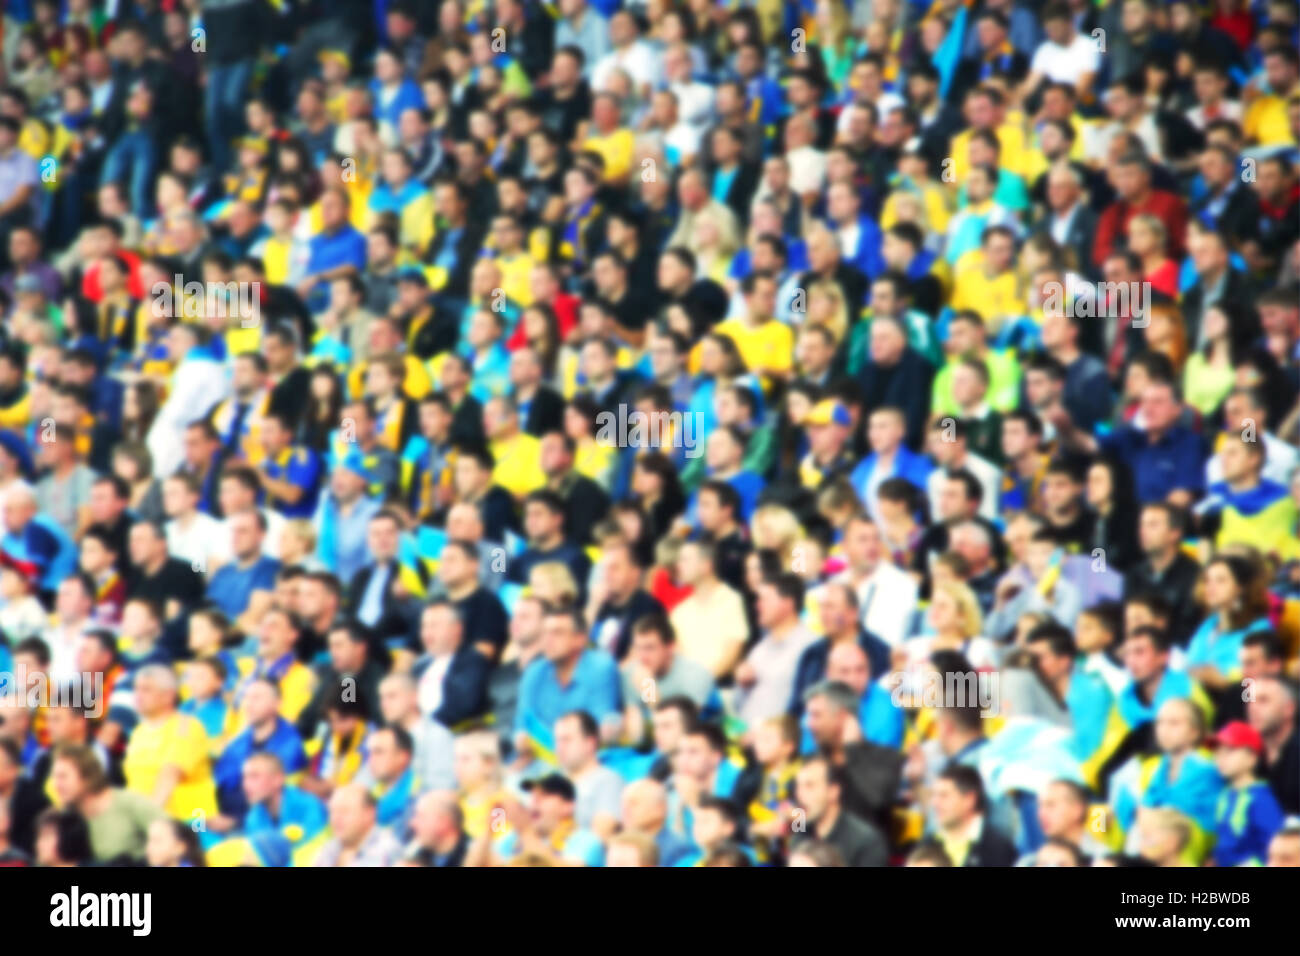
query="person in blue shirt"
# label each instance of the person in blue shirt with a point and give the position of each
(276, 807)
(336, 250)
(889, 458)
(1183, 778)
(1248, 814)
(570, 675)
(1166, 459)
(267, 732)
(550, 826)
(231, 586)
(290, 474)
(1236, 597)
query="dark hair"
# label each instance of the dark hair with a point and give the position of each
(967, 780)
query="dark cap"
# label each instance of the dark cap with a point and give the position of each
(555, 785)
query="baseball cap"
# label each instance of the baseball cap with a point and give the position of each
(553, 784)
(336, 55)
(1238, 733)
(828, 412)
(354, 462)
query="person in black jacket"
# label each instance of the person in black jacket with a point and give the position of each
(1166, 569)
(458, 239)
(24, 799)
(963, 828)
(451, 676)
(897, 375)
(870, 773)
(541, 408)
(585, 502)
(819, 792)
(377, 601)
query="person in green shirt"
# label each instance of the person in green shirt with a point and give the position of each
(118, 819)
(967, 337)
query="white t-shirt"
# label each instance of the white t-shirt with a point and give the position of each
(1066, 64)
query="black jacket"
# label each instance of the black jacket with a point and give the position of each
(545, 412)
(991, 849)
(1177, 586)
(464, 686)
(872, 774)
(397, 616)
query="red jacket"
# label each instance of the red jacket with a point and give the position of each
(1113, 225)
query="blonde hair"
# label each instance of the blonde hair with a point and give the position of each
(553, 582)
(838, 325)
(774, 527)
(485, 745)
(968, 606)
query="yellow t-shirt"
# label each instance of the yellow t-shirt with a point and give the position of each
(1266, 121)
(178, 740)
(766, 346)
(995, 299)
(616, 149)
(519, 464)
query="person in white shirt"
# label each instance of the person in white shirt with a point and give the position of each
(949, 449)
(1244, 411)
(886, 595)
(694, 99)
(807, 163)
(73, 604)
(192, 535)
(236, 493)
(765, 677)
(198, 383)
(630, 54)
(1066, 56)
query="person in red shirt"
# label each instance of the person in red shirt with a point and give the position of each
(1132, 180)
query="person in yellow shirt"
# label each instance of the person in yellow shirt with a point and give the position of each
(986, 282)
(518, 455)
(765, 343)
(986, 108)
(513, 259)
(610, 139)
(276, 660)
(1267, 121)
(167, 757)
(335, 68)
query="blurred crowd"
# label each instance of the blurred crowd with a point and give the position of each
(649, 432)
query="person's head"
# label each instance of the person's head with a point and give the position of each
(670, 721)
(886, 429)
(577, 738)
(1235, 589)
(564, 634)
(645, 807)
(780, 600)
(390, 752)
(1063, 809)
(75, 773)
(1284, 848)
(1272, 712)
(957, 797)
(1164, 835)
(352, 813)
(277, 633)
(1262, 655)
(62, 839)
(696, 563)
(700, 752)
(827, 707)
(1179, 726)
(156, 689)
(1146, 654)
(442, 628)
(955, 609)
